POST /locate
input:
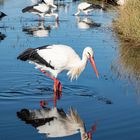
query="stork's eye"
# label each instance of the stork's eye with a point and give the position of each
(89, 54)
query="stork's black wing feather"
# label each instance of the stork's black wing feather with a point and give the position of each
(32, 55)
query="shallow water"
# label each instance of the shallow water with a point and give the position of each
(111, 100)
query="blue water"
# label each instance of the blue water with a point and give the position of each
(110, 100)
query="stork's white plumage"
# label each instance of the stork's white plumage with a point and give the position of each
(42, 9)
(55, 122)
(51, 2)
(57, 58)
(86, 7)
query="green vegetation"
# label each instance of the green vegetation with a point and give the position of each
(128, 23)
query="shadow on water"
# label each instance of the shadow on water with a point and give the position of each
(54, 122)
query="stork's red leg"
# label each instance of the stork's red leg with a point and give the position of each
(57, 84)
(57, 89)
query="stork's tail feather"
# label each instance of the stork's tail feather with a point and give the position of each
(26, 54)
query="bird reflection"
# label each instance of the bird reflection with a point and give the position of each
(86, 23)
(54, 122)
(40, 30)
(2, 36)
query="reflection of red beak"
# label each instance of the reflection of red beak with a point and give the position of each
(93, 65)
(90, 135)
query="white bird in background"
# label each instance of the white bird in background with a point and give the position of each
(57, 58)
(86, 7)
(56, 123)
(42, 9)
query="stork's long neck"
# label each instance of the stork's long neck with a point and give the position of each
(83, 62)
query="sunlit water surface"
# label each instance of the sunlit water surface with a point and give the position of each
(110, 100)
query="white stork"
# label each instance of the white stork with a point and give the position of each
(57, 58)
(55, 122)
(86, 7)
(42, 9)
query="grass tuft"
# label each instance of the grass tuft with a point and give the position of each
(128, 23)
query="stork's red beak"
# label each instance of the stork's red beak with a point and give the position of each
(94, 66)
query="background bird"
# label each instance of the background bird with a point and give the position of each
(86, 7)
(42, 9)
(55, 122)
(57, 58)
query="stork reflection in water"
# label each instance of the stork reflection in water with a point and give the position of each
(54, 122)
(41, 30)
(86, 23)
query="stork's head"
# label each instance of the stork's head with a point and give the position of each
(88, 53)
